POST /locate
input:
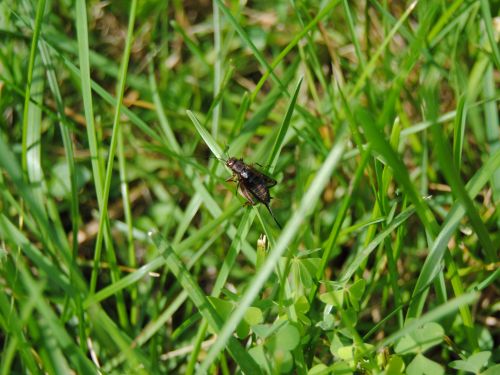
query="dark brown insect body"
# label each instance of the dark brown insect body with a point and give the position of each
(253, 185)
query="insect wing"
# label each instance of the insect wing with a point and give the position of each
(249, 196)
(268, 181)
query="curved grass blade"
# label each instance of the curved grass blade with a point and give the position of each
(209, 140)
(362, 255)
(444, 156)
(432, 264)
(432, 316)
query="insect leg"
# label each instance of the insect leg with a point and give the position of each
(237, 187)
(231, 179)
(247, 194)
(271, 183)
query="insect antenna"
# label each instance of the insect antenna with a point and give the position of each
(264, 167)
(215, 157)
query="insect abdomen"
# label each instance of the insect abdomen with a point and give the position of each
(261, 192)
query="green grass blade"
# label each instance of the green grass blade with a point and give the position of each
(444, 154)
(30, 73)
(432, 316)
(289, 232)
(370, 66)
(363, 254)
(103, 218)
(488, 25)
(433, 264)
(380, 145)
(55, 330)
(243, 35)
(492, 129)
(217, 68)
(209, 140)
(280, 138)
(459, 132)
(296, 39)
(164, 123)
(45, 233)
(84, 75)
(196, 295)
(33, 137)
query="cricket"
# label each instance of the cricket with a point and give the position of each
(252, 184)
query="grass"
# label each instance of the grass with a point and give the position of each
(124, 250)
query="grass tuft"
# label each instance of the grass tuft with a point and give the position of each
(124, 250)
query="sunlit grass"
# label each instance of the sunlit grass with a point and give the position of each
(124, 250)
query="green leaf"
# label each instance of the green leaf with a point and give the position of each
(225, 308)
(421, 339)
(327, 323)
(341, 368)
(355, 293)
(494, 370)
(346, 353)
(283, 360)
(280, 138)
(262, 330)
(320, 369)
(421, 365)
(266, 330)
(259, 356)
(254, 316)
(209, 140)
(334, 298)
(286, 338)
(304, 270)
(357, 289)
(472, 364)
(395, 366)
(302, 305)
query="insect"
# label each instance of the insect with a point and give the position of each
(253, 185)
